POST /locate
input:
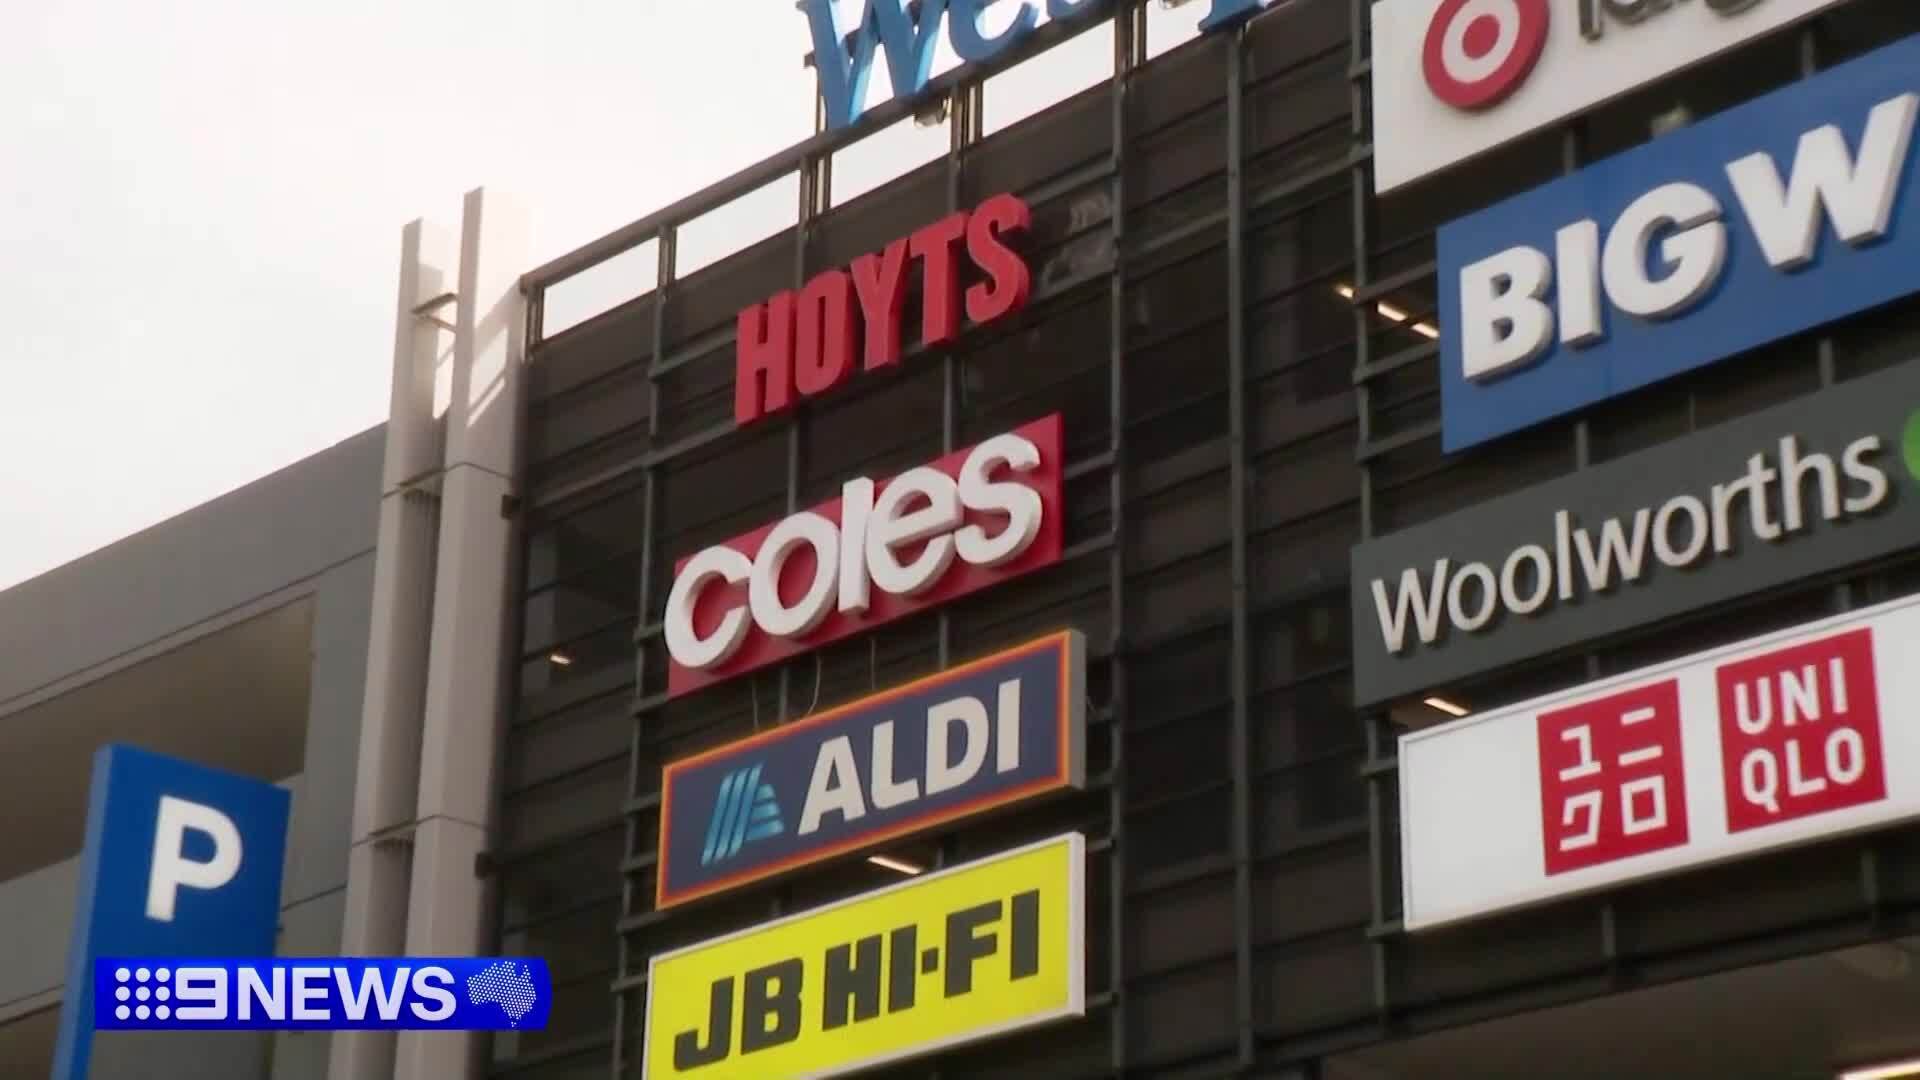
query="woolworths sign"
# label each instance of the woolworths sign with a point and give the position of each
(1810, 486)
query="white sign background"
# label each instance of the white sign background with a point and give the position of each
(1470, 798)
(1415, 133)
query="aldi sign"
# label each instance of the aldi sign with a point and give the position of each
(1772, 218)
(1002, 729)
(1453, 79)
(1777, 741)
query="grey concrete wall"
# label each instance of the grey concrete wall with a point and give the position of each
(105, 607)
(309, 528)
(36, 917)
(314, 893)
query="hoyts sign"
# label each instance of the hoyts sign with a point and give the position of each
(880, 551)
(803, 344)
(1774, 742)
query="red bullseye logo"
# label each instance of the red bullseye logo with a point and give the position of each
(1479, 51)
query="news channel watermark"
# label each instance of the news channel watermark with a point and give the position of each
(197, 993)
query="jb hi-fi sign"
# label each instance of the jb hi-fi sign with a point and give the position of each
(882, 550)
(799, 344)
(1773, 742)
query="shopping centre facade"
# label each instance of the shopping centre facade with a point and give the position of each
(1368, 542)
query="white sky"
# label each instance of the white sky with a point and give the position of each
(201, 202)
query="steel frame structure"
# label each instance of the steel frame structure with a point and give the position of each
(1611, 947)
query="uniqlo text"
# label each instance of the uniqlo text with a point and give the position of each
(1800, 731)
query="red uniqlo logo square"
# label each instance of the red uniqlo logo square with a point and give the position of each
(1612, 783)
(1800, 731)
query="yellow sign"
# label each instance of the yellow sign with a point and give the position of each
(954, 957)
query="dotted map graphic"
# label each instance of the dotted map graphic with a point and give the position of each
(506, 985)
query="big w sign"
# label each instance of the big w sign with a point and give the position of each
(847, 34)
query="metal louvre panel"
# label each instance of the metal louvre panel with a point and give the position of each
(1248, 920)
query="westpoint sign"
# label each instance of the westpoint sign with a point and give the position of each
(844, 49)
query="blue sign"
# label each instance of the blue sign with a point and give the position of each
(1007, 727)
(406, 993)
(1771, 218)
(180, 860)
(844, 53)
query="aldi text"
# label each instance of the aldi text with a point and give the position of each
(979, 736)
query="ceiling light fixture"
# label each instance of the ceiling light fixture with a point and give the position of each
(1893, 1070)
(1446, 706)
(1388, 311)
(561, 659)
(899, 865)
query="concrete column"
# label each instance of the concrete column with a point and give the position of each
(388, 764)
(313, 896)
(465, 711)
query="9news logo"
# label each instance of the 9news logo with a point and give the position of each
(1477, 52)
(337, 994)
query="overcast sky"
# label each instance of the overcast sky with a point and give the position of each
(201, 202)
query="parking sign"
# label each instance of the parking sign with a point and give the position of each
(180, 860)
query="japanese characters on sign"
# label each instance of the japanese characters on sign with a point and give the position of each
(1764, 744)
(1611, 783)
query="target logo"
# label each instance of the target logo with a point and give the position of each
(1479, 51)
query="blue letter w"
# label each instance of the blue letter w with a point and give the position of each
(883, 23)
(743, 811)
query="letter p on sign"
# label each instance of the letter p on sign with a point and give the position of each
(171, 867)
(180, 860)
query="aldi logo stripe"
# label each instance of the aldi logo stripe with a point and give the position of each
(744, 811)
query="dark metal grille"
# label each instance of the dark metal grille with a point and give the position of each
(1209, 269)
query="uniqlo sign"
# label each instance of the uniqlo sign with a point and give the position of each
(1772, 742)
(1610, 777)
(1800, 731)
